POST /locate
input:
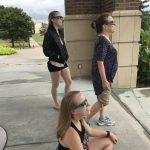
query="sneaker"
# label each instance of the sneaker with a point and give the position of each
(107, 118)
(105, 122)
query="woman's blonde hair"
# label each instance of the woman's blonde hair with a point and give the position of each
(65, 115)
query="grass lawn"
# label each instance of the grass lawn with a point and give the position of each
(18, 45)
(38, 38)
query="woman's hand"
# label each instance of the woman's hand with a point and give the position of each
(106, 85)
(113, 138)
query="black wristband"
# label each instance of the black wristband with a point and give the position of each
(108, 134)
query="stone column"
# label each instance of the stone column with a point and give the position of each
(126, 41)
(79, 35)
(80, 38)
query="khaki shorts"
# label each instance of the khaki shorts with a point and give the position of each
(103, 98)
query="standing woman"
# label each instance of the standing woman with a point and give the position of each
(104, 64)
(54, 47)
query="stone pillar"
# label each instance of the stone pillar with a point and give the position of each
(126, 41)
(79, 41)
(80, 37)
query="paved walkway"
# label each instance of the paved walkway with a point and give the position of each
(137, 102)
(26, 106)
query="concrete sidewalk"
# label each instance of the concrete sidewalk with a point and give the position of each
(137, 102)
(26, 106)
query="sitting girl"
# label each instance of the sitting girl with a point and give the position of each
(72, 129)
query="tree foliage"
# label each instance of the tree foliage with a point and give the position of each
(145, 21)
(15, 24)
(144, 57)
(144, 54)
(145, 17)
(143, 4)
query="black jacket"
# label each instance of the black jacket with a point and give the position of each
(52, 46)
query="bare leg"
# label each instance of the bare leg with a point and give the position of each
(99, 106)
(94, 109)
(55, 83)
(65, 73)
(101, 111)
(101, 144)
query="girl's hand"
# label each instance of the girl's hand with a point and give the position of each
(113, 138)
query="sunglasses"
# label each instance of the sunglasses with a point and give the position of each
(110, 22)
(82, 105)
(58, 17)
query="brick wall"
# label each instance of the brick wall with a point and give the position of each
(127, 5)
(98, 6)
(82, 7)
(107, 5)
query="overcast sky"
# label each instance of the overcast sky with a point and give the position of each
(37, 9)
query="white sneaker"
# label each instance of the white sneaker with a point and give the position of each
(105, 122)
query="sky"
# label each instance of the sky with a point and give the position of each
(37, 9)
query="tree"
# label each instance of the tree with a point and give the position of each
(144, 54)
(143, 4)
(145, 23)
(15, 24)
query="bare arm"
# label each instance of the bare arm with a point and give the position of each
(105, 83)
(73, 140)
(93, 131)
(98, 133)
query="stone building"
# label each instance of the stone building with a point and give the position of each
(80, 37)
(37, 25)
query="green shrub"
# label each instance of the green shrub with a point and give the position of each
(5, 50)
(144, 58)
